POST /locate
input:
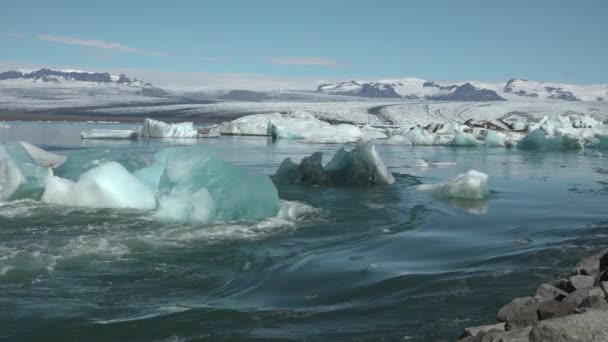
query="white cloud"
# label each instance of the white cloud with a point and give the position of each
(97, 44)
(304, 61)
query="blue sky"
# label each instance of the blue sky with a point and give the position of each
(563, 41)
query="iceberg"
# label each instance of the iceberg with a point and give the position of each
(256, 124)
(109, 134)
(24, 169)
(539, 140)
(361, 166)
(193, 185)
(158, 129)
(106, 186)
(494, 139)
(419, 136)
(3, 125)
(472, 185)
(397, 140)
(464, 139)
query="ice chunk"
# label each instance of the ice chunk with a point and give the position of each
(494, 139)
(21, 176)
(4, 125)
(318, 132)
(398, 140)
(464, 139)
(209, 132)
(42, 157)
(256, 124)
(360, 166)
(420, 163)
(106, 186)
(470, 185)
(539, 140)
(158, 129)
(109, 134)
(188, 173)
(419, 136)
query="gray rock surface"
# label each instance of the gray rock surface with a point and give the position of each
(554, 309)
(595, 302)
(473, 331)
(581, 281)
(510, 311)
(593, 264)
(517, 335)
(589, 326)
(577, 297)
(548, 292)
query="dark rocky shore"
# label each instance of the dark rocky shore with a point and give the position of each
(563, 310)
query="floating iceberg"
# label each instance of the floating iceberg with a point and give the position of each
(470, 185)
(494, 139)
(539, 140)
(158, 129)
(397, 140)
(420, 136)
(194, 185)
(3, 125)
(24, 169)
(361, 166)
(256, 124)
(110, 134)
(106, 186)
(463, 139)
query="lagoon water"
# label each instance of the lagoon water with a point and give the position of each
(377, 263)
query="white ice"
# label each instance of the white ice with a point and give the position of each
(106, 186)
(158, 129)
(98, 133)
(470, 185)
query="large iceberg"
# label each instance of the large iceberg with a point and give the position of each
(98, 133)
(192, 184)
(471, 185)
(361, 166)
(158, 129)
(106, 186)
(464, 139)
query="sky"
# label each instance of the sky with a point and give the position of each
(313, 40)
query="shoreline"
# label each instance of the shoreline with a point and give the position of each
(574, 308)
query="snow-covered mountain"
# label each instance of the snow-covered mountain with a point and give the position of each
(63, 76)
(473, 91)
(567, 92)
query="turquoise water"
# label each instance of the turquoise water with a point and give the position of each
(379, 263)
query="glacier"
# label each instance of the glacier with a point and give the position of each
(472, 185)
(361, 166)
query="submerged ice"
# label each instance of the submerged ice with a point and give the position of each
(360, 166)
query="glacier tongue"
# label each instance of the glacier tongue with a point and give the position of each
(361, 166)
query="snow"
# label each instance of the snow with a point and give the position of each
(106, 186)
(98, 133)
(471, 185)
(158, 129)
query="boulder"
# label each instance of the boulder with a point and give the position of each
(554, 309)
(525, 317)
(549, 292)
(593, 264)
(516, 335)
(580, 282)
(588, 326)
(509, 311)
(604, 286)
(577, 297)
(473, 331)
(562, 284)
(594, 302)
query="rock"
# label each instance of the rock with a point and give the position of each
(594, 302)
(577, 297)
(588, 326)
(581, 281)
(549, 292)
(473, 331)
(562, 284)
(593, 264)
(554, 309)
(604, 286)
(516, 335)
(510, 310)
(525, 317)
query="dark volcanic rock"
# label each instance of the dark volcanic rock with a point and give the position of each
(10, 75)
(72, 75)
(378, 90)
(589, 326)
